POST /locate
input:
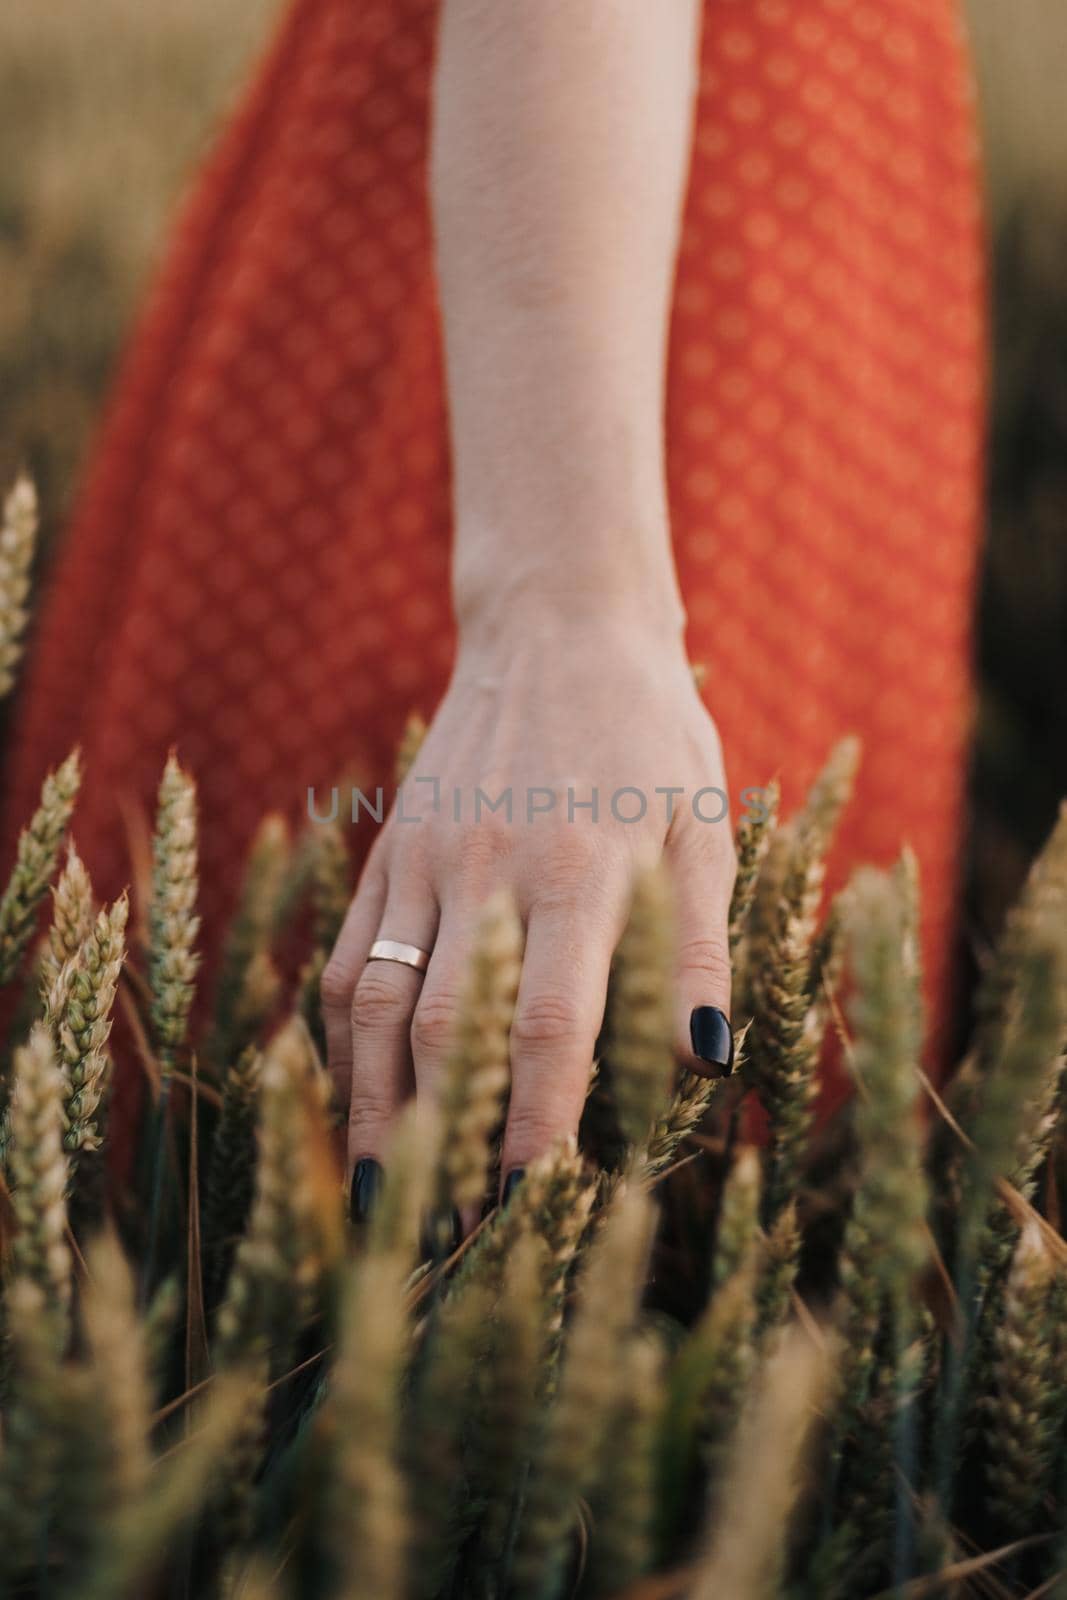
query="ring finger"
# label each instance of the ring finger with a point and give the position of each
(382, 1006)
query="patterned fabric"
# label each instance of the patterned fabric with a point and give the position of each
(257, 571)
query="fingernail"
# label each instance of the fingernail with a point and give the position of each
(367, 1177)
(442, 1235)
(511, 1183)
(713, 1039)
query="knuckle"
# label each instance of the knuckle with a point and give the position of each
(567, 870)
(376, 1003)
(534, 1128)
(572, 851)
(370, 1114)
(434, 1022)
(479, 850)
(336, 985)
(705, 958)
(548, 1020)
(713, 856)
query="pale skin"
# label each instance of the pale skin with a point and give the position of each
(559, 156)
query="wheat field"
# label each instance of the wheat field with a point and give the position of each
(828, 1367)
(672, 1365)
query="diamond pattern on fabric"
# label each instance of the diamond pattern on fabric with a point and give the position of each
(257, 571)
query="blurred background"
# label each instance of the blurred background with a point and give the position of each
(105, 105)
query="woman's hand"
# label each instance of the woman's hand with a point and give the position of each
(557, 712)
(560, 143)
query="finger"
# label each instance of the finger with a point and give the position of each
(382, 1007)
(703, 867)
(558, 1015)
(346, 962)
(433, 1025)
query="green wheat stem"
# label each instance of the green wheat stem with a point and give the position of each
(906, 1453)
(158, 1142)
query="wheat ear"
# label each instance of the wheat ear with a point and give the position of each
(35, 861)
(18, 542)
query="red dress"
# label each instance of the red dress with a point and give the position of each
(257, 569)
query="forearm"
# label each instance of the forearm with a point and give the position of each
(560, 152)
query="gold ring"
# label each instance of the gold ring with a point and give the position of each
(408, 955)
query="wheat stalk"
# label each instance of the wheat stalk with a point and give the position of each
(35, 862)
(38, 1172)
(18, 542)
(443, 1404)
(787, 1034)
(474, 1076)
(885, 1241)
(640, 1007)
(588, 1385)
(1021, 1411)
(515, 1383)
(366, 1495)
(79, 1004)
(32, 1423)
(278, 1263)
(738, 1230)
(117, 1470)
(72, 919)
(247, 985)
(231, 1170)
(173, 922)
(747, 1555)
(754, 834)
(622, 1498)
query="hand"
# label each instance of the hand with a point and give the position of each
(560, 707)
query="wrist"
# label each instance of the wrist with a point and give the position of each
(619, 582)
(552, 611)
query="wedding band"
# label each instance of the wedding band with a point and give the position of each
(409, 955)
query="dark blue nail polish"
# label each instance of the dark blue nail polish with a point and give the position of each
(367, 1178)
(511, 1183)
(713, 1039)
